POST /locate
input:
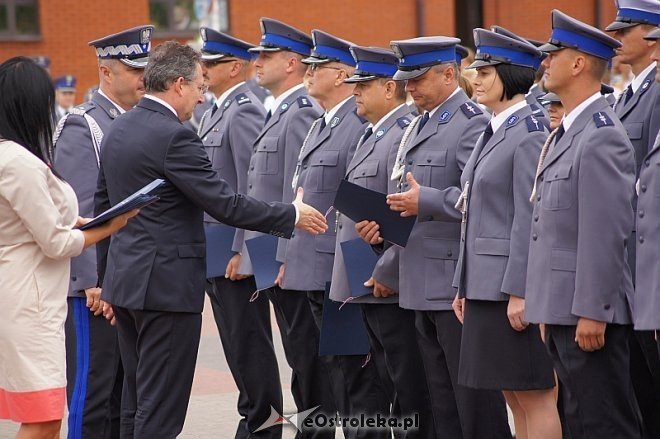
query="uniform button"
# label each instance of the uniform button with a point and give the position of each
(643, 188)
(535, 236)
(641, 214)
(538, 197)
(250, 186)
(304, 166)
(410, 162)
(363, 172)
(428, 160)
(321, 161)
(264, 147)
(293, 234)
(607, 306)
(252, 168)
(339, 226)
(541, 178)
(641, 239)
(449, 253)
(536, 218)
(647, 163)
(74, 278)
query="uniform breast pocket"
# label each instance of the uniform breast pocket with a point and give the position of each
(324, 171)
(558, 193)
(430, 168)
(214, 149)
(635, 130)
(267, 160)
(365, 173)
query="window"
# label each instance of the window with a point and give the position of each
(184, 17)
(19, 19)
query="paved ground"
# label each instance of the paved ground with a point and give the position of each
(212, 411)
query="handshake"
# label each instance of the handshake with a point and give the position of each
(309, 219)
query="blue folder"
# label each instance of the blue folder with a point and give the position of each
(359, 260)
(342, 330)
(263, 250)
(219, 239)
(359, 203)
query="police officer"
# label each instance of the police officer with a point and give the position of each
(646, 311)
(578, 280)
(65, 95)
(434, 150)
(391, 329)
(638, 107)
(228, 131)
(275, 151)
(94, 374)
(322, 163)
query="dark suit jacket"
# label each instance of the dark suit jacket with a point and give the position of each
(157, 261)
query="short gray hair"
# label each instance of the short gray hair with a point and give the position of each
(168, 62)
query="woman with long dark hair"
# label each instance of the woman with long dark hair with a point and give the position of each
(38, 236)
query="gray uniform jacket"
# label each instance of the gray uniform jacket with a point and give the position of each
(371, 167)
(275, 154)
(76, 161)
(228, 136)
(308, 258)
(495, 235)
(640, 117)
(436, 157)
(647, 288)
(581, 220)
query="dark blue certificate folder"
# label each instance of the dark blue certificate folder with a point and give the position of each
(359, 203)
(263, 250)
(139, 199)
(342, 330)
(359, 260)
(219, 239)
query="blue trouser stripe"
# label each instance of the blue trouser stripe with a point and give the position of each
(77, 405)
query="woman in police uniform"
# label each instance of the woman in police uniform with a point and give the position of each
(499, 350)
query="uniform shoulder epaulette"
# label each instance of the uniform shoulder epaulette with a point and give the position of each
(242, 98)
(602, 120)
(536, 110)
(533, 124)
(470, 109)
(83, 108)
(304, 101)
(403, 121)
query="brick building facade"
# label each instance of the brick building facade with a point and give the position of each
(67, 25)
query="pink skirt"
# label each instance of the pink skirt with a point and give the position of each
(30, 407)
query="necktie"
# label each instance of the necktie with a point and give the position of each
(488, 133)
(366, 135)
(629, 93)
(215, 108)
(322, 123)
(422, 122)
(268, 116)
(560, 133)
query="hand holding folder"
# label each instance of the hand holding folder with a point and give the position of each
(138, 200)
(359, 203)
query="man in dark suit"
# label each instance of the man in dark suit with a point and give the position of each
(94, 373)
(155, 276)
(228, 131)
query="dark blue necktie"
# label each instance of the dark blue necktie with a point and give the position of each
(488, 133)
(560, 133)
(422, 122)
(629, 93)
(322, 124)
(268, 116)
(214, 109)
(367, 134)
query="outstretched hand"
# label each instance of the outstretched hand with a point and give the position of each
(311, 220)
(406, 202)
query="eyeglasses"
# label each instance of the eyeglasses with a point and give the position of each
(201, 88)
(213, 63)
(314, 67)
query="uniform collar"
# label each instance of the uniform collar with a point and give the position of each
(280, 99)
(226, 93)
(573, 115)
(330, 114)
(639, 79)
(497, 121)
(117, 106)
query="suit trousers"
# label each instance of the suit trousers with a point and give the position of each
(394, 351)
(458, 411)
(94, 373)
(356, 386)
(247, 341)
(310, 384)
(159, 352)
(645, 373)
(598, 396)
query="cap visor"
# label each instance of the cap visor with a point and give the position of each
(404, 75)
(264, 49)
(653, 35)
(550, 98)
(314, 60)
(359, 78)
(482, 63)
(208, 56)
(616, 25)
(65, 89)
(549, 47)
(137, 63)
